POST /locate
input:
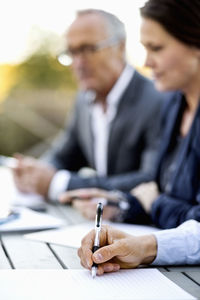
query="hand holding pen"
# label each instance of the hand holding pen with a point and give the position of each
(118, 250)
(98, 223)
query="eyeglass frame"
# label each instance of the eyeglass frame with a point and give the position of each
(88, 49)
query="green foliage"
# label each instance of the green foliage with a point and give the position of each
(41, 89)
(44, 71)
(14, 138)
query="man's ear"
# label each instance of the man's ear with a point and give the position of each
(122, 49)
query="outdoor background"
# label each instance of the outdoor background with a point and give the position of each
(36, 91)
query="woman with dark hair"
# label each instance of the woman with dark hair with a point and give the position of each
(170, 32)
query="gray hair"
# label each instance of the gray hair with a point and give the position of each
(115, 26)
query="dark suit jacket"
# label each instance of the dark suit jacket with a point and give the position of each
(132, 142)
(182, 201)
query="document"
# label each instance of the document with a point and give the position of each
(29, 220)
(137, 284)
(71, 236)
(11, 196)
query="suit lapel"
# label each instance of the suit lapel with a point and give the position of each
(186, 146)
(168, 128)
(86, 132)
(117, 126)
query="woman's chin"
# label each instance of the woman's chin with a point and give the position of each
(162, 87)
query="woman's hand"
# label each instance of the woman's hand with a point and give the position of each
(146, 193)
(118, 250)
(31, 175)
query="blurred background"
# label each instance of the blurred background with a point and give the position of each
(36, 91)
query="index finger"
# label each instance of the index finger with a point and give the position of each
(85, 251)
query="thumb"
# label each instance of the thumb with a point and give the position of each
(108, 252)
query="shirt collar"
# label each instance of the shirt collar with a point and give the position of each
(117, 90)
(120, 86)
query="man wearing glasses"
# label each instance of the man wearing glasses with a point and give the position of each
(114, 126)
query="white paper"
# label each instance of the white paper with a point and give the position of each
(79, 285)
(71, 236)
(11, 196)
(30, 220)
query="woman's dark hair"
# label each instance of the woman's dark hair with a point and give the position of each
(181, 18)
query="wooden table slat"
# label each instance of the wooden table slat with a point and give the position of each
(72, 215)
(182, 269)
(26, 254)
(184, 282)
(55, 211)
(4, 262)
(194, 275)
(68, 256)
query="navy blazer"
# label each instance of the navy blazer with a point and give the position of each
(182, 200)
(132, 146)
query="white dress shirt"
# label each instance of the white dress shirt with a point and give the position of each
(101, 120)
(100, 123)
(179, 246)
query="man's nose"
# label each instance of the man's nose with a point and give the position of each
(77, 62)
(78, 59)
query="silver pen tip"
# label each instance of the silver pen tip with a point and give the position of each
(93, 272)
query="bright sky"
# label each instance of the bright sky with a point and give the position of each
(19, 17)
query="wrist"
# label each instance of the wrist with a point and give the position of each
(45, 183)
(149, 244)
(121, 203)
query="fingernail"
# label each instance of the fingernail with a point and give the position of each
(116, 267)
(98, 257)
(108, 268)
(88, 264)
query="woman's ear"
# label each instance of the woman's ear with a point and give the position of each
(197, 51)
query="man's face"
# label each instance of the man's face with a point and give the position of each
(95, 70)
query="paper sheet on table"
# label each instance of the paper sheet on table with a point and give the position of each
(11, 196)
(30, 220)
(71, 236)
(78, 285)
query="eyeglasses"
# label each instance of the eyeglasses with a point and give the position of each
(85, 50)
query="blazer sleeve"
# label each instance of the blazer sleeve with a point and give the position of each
(123, 182)
(168, 212)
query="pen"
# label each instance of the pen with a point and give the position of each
(12, 215)
(98, 222)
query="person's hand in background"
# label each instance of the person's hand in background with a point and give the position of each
(146, 193)
(85, 194)
(85, 201)
(31, 175)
